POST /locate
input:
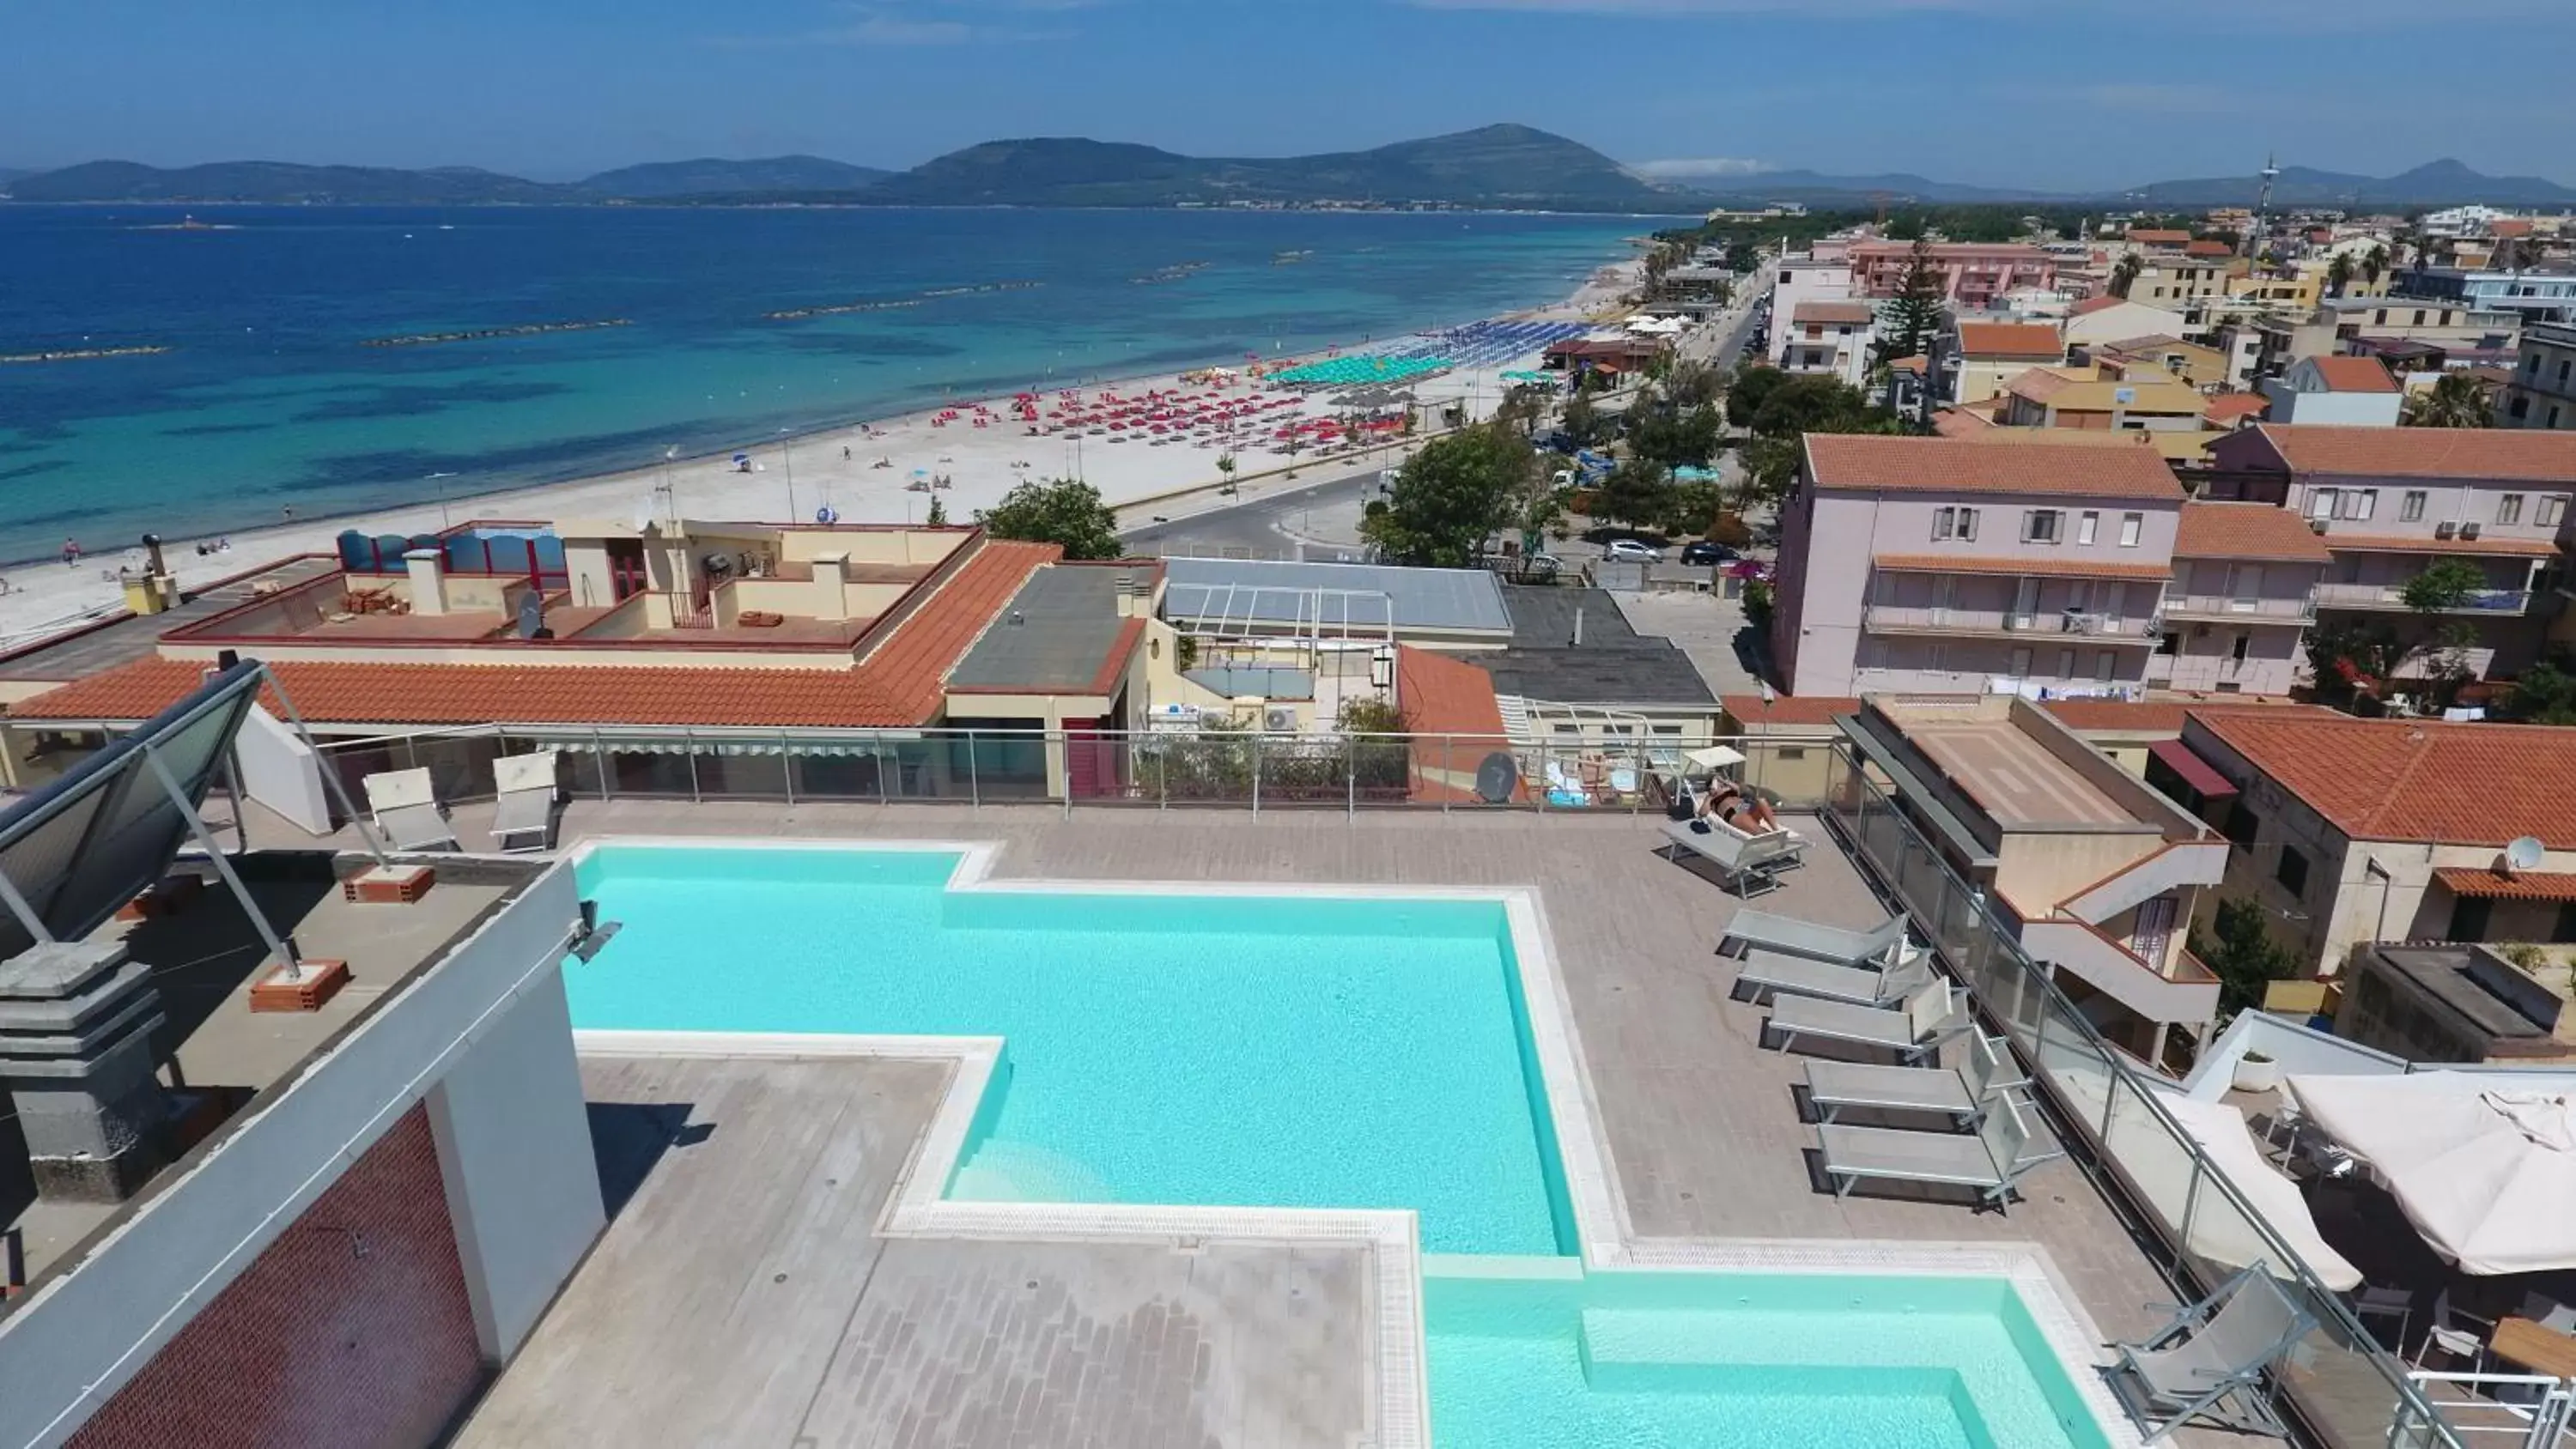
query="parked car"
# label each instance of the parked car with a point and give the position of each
(1706, 553)
(1628, 550)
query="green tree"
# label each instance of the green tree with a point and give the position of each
(2374, 264)
(2347, 655)
(1585, 424)
(1225, 466)
(938, 515)
(2241, 953)
(2546, 693)
(2456, 400)
(1693, 509)
(1911, 319)
(1817, 403)
(1452, 495)
(1750, 390)
(2124, 274)
(2445, 584)
(1661, 433)
(1064, 511)
(1637, 491)
(2339, 274)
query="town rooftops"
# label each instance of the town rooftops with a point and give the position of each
(1833, 313)
(2077, 392)
(2252, 531)
(2210, 248)
(2155, 237)
(1069, 630)
(1278, 594)
(2503, 454)
(2228, 409)
(2353, 374)
(2010, 339)
(1955, 465)
(2403, 780)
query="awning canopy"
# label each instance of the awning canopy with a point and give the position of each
(2485, 1175)
(2194, 770)
(2223, 1235)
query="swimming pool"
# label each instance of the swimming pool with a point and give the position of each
(1222, 1048)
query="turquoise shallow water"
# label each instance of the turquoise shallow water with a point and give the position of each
(1252, 1052)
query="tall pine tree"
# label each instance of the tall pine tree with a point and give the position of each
(1912, 318)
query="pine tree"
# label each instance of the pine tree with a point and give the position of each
(1912, 318)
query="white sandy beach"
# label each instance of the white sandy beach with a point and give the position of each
(861, 472)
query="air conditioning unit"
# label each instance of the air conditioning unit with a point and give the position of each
(2468, 531)
(1279, 720)
(2447, 530)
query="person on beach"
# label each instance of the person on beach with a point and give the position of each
(71, 553)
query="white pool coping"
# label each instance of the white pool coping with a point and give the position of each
(1401, 1410)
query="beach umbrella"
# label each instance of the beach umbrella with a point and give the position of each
(2484, 1174)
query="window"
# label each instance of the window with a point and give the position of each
(1945, 523)
(2066, 664)
(2169, 642)
(2085, 526)
(1936, 656)
(2292, 872)
(2321, 502)
(2243, 643)
(1968, 525)
(2553, 415)
(2043, 525)
(2019, 667)
(2562, 368)
(2553, 508)
(2509, 508)
(2131, 525)
(2243, 825)
(2411, 508)
(2357, 504)
(2104, 662)
(2419, 317)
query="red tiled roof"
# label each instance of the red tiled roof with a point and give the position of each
(2227, 409)
(2056, 568)
(2353, 374)
(2210, 247)
(1961, 423)
(1441, 695)
(1819, 311)
(2441, 784)
(2010, 339)
(2152, 235)
(1796, 710)
(1958, 465)
(2247, 531)
(2091, 305)
(2475, 883)
(897, 684)
(2152, 715)
(2518, 454)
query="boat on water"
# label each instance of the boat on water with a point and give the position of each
(1290, 259)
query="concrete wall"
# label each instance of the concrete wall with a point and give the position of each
(88, 1331)
(2347, 409)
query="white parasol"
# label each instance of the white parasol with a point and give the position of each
(2486, 1174)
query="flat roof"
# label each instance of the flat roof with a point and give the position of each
(1061, 633)
(1984, 747)
(128, 637)
(2443, 973)
(1657, 673)
(1273, 592)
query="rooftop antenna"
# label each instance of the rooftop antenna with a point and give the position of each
(2525, 853)
(2263, 202)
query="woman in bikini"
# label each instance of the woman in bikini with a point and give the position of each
(1730, 802)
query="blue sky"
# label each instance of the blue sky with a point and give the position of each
(2054, 93)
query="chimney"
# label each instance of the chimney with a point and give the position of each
(1124, 585)
(831, 594)
(427, 569)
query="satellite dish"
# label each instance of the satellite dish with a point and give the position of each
(1496, 775)
(2525, 853)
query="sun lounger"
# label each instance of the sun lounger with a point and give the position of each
(1932, 1015)
(1747, 867)
(1751, 929)
(1771, 975)
(1962, 1093)
(525, 806)
(1992, 1161)
(2170, 1379)
(405, 806)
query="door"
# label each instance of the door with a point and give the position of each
(2153, 930)
(2026, 597)
(1945, 596)
(2021, 663)
(625, 568)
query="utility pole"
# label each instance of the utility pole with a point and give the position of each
(2263, 204)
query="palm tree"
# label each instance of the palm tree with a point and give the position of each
(2125, 275)
(2456, 400)
(2374, 264)
(2339, 274)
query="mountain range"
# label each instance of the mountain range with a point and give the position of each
(1498, 167)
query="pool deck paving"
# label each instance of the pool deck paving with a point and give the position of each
(905, 1341)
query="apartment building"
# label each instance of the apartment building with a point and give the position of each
(2243, 593)
(2108, 319)
(2535, 294)
(2389, 502)
(2172, 281)
(1990, 354)
(1798, 282)
(2543, 391)
(1831, 338)
(2083, 397)
(2158, 356)
(1943, 566)
(2353, 391)
(1973, 274)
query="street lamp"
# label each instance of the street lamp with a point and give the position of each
(787, 456)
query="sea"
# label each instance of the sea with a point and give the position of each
(338, 359)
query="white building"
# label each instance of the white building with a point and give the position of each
(2353, 391)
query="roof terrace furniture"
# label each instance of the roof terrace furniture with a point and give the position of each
(1746, 865)
(2213, 1353)
(1963, 1092)
(405, 805)
(525, 805)
(1770, 975)
(1992, 1161)
(1881, 943)
(1914, 1031)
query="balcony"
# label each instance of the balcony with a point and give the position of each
(2006, 624)
(2222, 607)
(2391, 598)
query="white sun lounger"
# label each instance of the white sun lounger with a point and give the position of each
(525, 805)
(2168, 1380)
(1750, 929)
(1962, 1093)
(1746, 865)
(1771, 975)
(405, 806)
(1932, 1015)
(1992, 1161)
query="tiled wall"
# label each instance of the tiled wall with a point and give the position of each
(352, 1329)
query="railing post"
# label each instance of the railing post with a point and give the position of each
(599, 761)
(1351, 776)
(1064, 750)
(974, 773)
(1256, 773)
(786, 769)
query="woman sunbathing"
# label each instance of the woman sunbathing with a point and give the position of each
(1732, 803)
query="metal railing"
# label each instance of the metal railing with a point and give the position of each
(2393, 596)
(2348, 1388)
(2228, 606)
(1885, 618)
(2534, 1411)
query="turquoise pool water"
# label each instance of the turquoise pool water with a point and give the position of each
(1277, 1052)
(1309, 1052)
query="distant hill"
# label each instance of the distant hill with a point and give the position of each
(278, 181)
(1497, 166)
(2436, 183)
(711, 177)
(1897, 186)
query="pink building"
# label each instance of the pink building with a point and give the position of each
(1974, 274)
(1950, 566)
(2388, 502)
(2243, 594)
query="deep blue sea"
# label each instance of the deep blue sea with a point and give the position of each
(268, 397)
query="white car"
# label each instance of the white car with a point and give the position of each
(1628, 550)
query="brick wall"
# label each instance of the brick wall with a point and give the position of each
(352, 1329)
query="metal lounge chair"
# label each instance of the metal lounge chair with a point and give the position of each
(1914, 1031)
(525, 805)
(1750, 929)
(406, 809)
(1992, 1161)
(2212, 1352)
(1961, 1093)
(1745, 865)
(1770, 975)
